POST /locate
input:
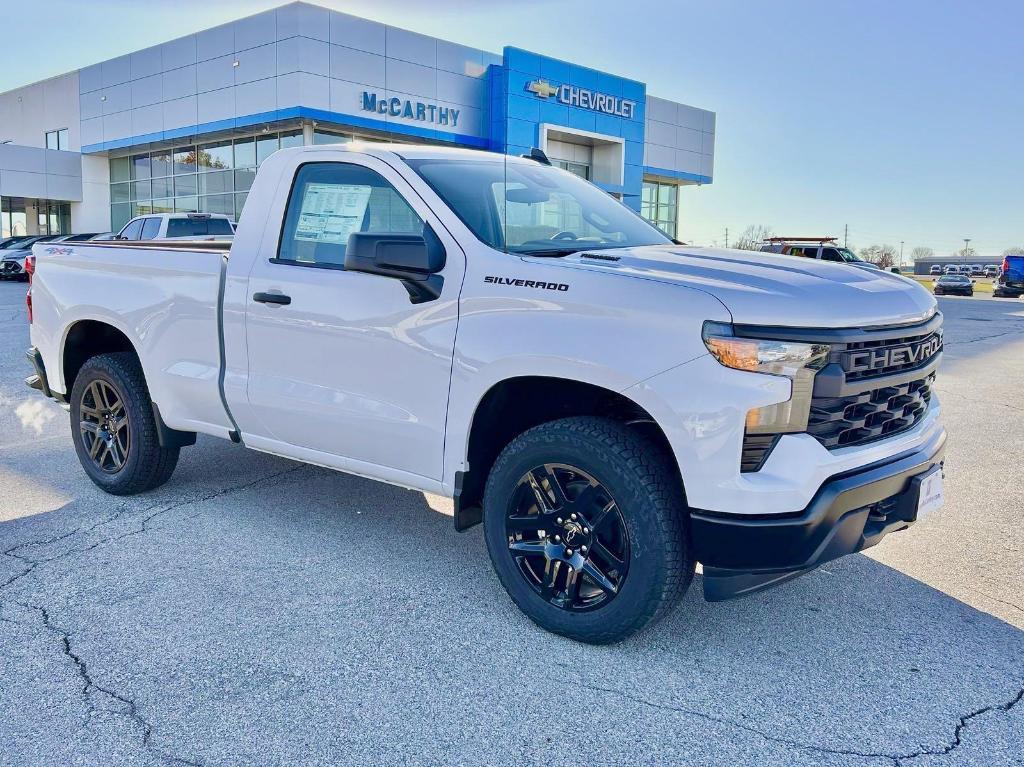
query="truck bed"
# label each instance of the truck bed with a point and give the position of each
(164, 296)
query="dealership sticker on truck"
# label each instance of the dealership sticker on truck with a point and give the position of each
(930, 497)
(331, 212)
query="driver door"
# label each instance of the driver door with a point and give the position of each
(344, 368)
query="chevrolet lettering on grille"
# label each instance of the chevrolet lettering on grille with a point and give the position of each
(892, 356)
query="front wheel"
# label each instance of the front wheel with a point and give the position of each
(587, 529)
(114, 428)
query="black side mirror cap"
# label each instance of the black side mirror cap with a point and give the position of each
(412, 258)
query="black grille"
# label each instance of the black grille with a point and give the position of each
(756, 449)
(871, 359)
(869, 415)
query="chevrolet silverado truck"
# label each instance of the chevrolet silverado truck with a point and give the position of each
(614, 407)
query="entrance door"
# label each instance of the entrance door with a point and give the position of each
(349, 366)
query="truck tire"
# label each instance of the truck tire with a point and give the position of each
(587, 529)
(114, 429)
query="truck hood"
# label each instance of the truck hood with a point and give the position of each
(771, 289)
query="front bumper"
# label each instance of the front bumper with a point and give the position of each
(850, 512)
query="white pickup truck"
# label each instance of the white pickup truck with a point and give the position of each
(615, 407)
(174, 226)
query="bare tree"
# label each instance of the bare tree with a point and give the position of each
(753, 237)
(1016, 250)
(882, 256)
(966, 253)
(921, 252)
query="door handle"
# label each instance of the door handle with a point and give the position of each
(272, 298)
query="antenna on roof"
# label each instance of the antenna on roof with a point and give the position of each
(537, 155)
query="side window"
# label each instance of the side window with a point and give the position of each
(132, 230)
(330, 201)
(150, 229)
(830, 254)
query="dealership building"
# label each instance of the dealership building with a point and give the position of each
(184, 125)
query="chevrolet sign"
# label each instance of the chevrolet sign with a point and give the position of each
(572, 96)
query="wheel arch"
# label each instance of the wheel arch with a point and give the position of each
(513, 405)
(88, 338)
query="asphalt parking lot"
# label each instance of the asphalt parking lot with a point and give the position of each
(255, 611)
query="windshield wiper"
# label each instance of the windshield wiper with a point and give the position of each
(548, 252)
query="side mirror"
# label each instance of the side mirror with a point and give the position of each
(412, 258)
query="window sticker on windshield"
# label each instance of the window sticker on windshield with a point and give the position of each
(331, 212)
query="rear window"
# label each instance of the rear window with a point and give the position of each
(198, 227)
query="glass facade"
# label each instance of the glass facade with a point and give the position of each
(213, 177)
(19, 216)
(659, 204)
(210, 177)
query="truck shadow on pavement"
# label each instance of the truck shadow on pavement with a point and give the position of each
(261, 611)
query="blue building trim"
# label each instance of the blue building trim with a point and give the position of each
(290, 113)
(680, 175)
(518, 110)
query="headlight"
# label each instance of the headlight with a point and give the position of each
(799, 362)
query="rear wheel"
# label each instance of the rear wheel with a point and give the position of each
(114, 428)
(587, 529)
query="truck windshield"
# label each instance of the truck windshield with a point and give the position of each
(198, 227)
(534, 209)
(849, 256)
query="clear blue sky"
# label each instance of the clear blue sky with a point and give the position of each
(902, 119)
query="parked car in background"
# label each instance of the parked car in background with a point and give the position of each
(12, 259)
(992, 270)
(7, 242)
(82, 237)
(936, 269)
(171, 226)
(822, 248)
(895, 270)
(976, 270)
(954, 285)
(1011, 279)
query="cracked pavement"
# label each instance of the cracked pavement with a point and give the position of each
(255, 611)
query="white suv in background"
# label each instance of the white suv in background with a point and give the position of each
(173, 226)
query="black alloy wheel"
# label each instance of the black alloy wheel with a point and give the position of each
(567, 537)
(114, 427)
(587, 527)
(104, 426)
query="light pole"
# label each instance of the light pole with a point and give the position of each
(967, 245)
(901, 254)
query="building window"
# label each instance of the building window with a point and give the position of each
(659, 204)
(576, 168)
(13, 218)
(321, 137)
(57, 139)
(214, 177)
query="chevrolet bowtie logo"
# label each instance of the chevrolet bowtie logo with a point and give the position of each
(542, 88)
